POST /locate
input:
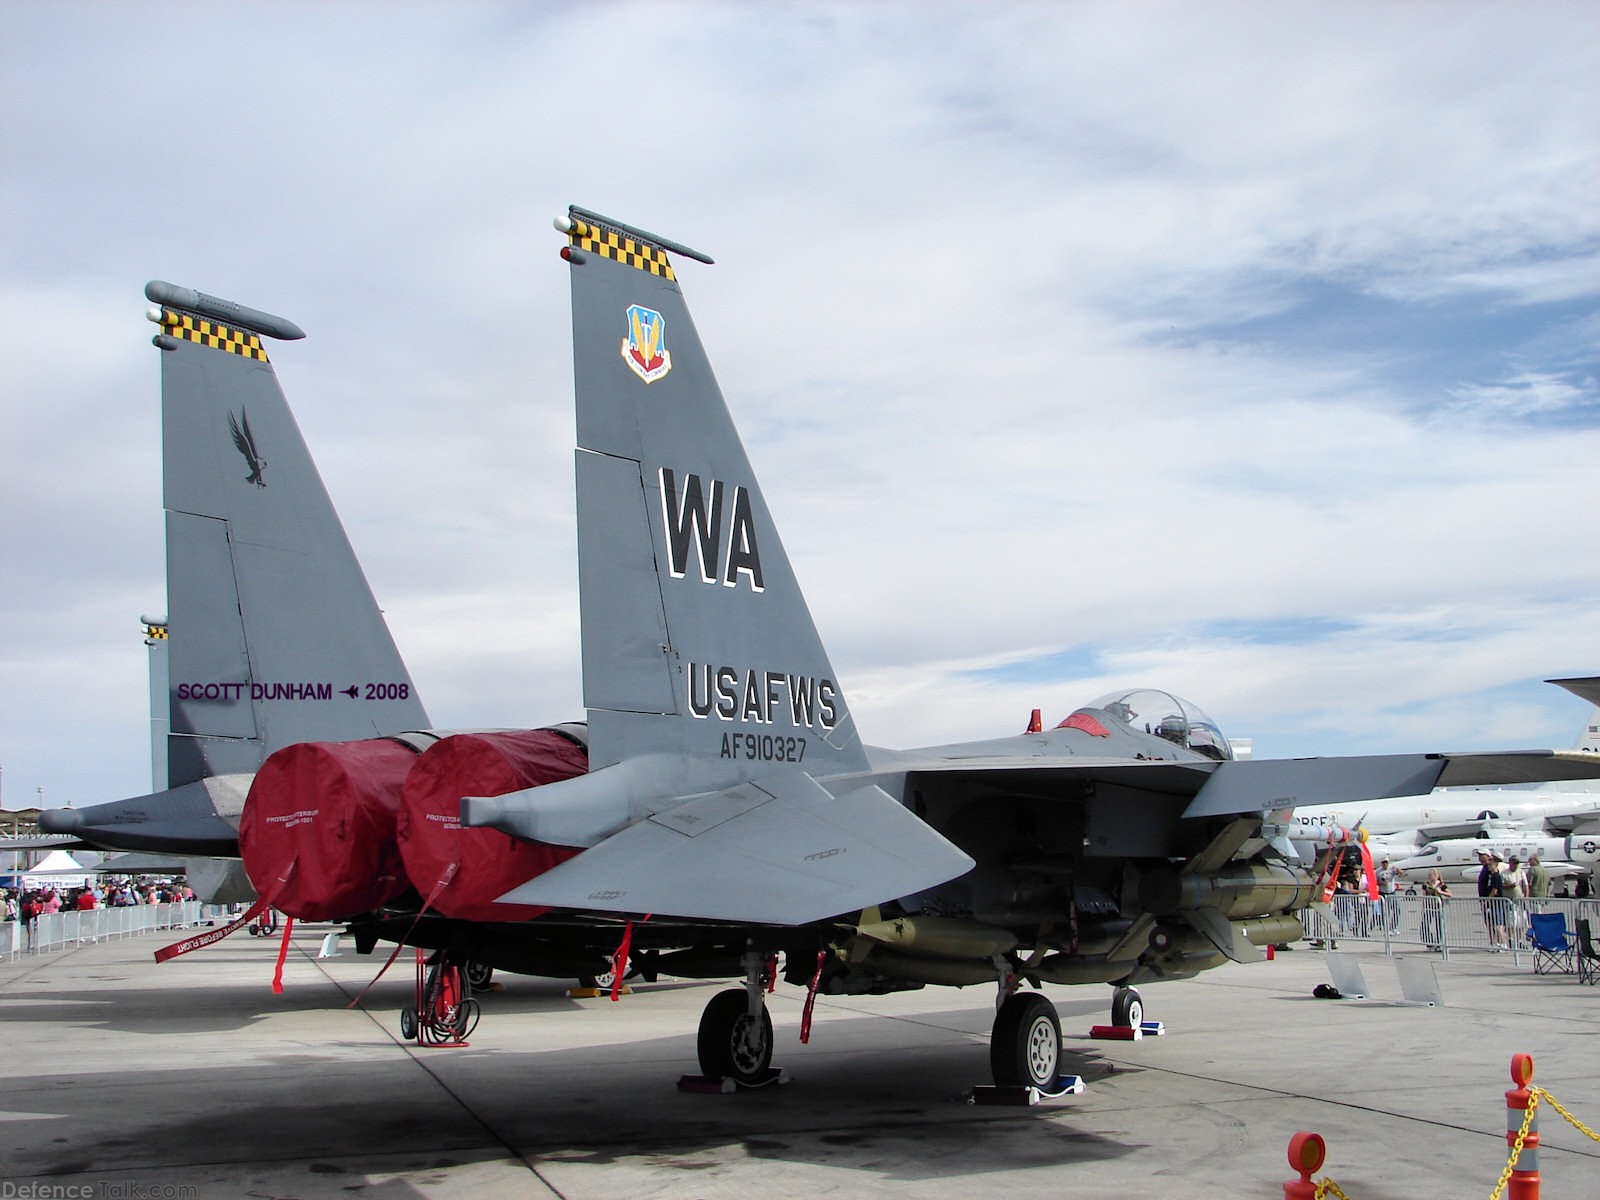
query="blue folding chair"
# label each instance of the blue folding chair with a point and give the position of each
(1553, 950)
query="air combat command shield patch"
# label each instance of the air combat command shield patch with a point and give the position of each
(645, 347)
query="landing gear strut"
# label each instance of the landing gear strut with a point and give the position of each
(735, 1040)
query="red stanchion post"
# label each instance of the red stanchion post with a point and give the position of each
(1524, 1182)
(1306, 1152)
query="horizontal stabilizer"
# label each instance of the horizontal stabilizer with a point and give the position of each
(779, 850)
(182, 820)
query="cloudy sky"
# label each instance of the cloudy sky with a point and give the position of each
(1247, 350)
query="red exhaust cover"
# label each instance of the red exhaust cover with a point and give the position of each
(490, 863)
(329, 809)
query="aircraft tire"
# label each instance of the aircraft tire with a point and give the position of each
(479, 974)
(408, 1023)
(605, 980)
(725, 1045)
(1127, 1008)
(1025, 1046)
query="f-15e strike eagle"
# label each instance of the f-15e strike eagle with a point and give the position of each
(730, 811)
(730, 790)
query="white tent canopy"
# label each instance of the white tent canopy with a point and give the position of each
(56, 869)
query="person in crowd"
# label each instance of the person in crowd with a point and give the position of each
(1490, 901)
(1538, 880)
(1514, 890)
(1435, 891)
(1388, 896)
(86, 901)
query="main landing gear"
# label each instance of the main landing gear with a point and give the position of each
(1025, 1045)
(735, 1040)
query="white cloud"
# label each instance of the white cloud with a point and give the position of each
(963, 252)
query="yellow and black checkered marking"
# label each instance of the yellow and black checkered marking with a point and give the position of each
(621, 248)
(212, 333)
(155, 633)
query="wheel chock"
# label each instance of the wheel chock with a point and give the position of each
(1116, 1033)
(1019, 1096)
(1153, 1028)
(706, 1084)
(721, 1085)
(1067, 1085)
(596, 993)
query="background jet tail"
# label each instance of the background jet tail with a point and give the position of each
(1585, 687)
(697, 641)
(275, 637)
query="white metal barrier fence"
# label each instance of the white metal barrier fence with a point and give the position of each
(58, 931)
(1446, 925)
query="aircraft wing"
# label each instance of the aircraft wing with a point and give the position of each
(1517, 766)
(779, 850)
(1254, 785)
(1264, 783)
(1446, 831)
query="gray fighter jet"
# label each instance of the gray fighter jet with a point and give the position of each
(733, 808)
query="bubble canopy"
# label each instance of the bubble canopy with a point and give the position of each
(1179, 721)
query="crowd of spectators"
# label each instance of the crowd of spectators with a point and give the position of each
(26, 905)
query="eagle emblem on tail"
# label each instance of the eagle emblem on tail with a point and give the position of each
(245, 440)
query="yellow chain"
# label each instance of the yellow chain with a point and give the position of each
(1535, 1095)
(1516, 1147)
(1571, 1120)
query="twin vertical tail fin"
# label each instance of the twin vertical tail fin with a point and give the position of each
(272, 635)
(271, 619)
(697, 641)
(728, 780)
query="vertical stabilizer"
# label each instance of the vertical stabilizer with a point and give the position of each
(1589, 739)
(1585, 687)
(696, 638)
(275, 636)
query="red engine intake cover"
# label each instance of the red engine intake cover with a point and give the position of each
(329, 809)
(490, 863)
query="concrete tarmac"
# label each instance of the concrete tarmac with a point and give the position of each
(192, 1079)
